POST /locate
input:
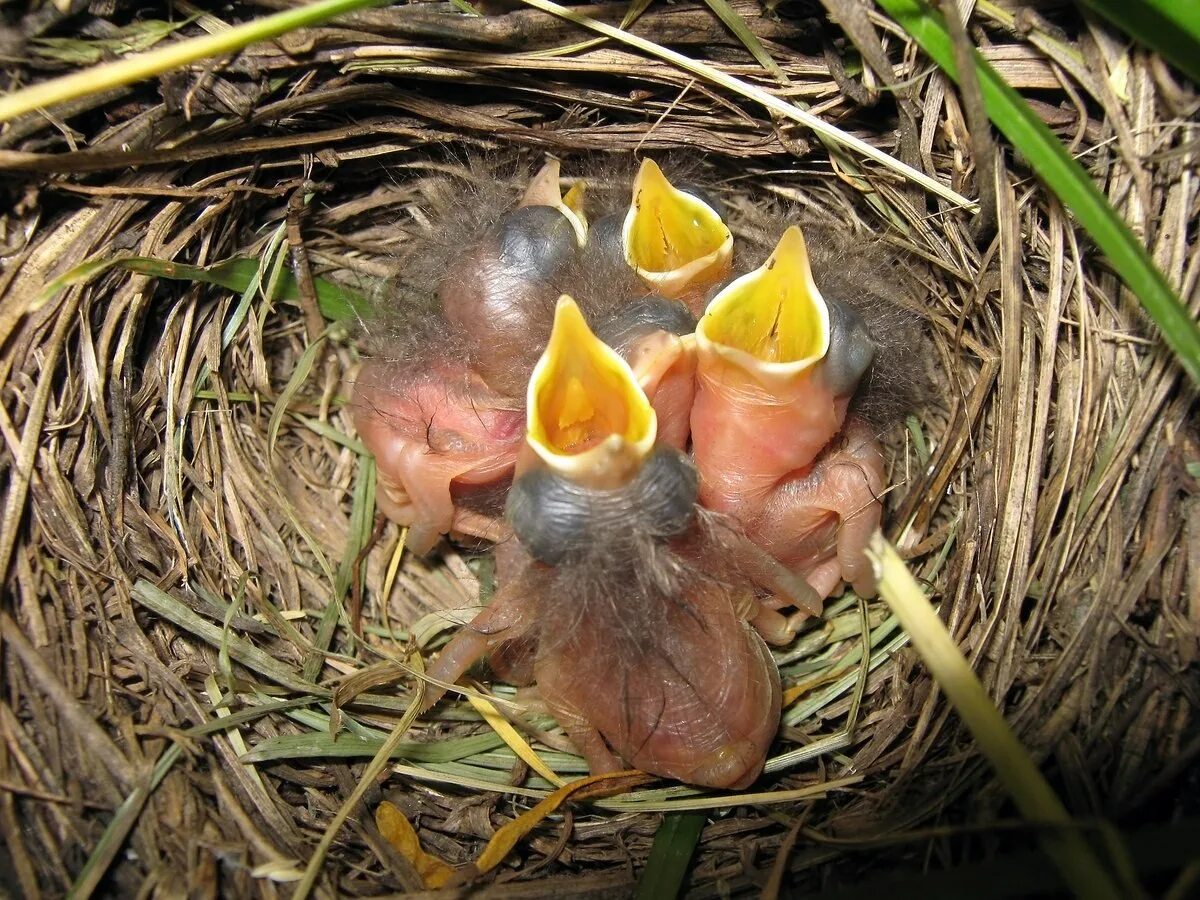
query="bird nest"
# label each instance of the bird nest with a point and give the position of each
(189, 530)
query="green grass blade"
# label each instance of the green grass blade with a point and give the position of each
(674, 843)
(119, 826)
(362, 519)
(173, 610)
(166, 59)
(295, 382)
(87, 51)
(1062, 841)
(269, 261)
(1067, 179)
(1170, 28)
(321, 745)
(365, 781)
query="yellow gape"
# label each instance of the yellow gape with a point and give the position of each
(588, 418)
(773, 319)
(674, 241)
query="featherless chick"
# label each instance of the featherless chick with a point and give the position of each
(440, 403)
(778, 367)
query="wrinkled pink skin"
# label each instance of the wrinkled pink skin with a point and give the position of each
(705, 716)
(666, 370)
(701, 707)
(436, 436)
(772, 458)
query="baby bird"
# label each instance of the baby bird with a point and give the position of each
(444, 416)
(672, 239)
(644, 646)
(777, 367)
(444, 444)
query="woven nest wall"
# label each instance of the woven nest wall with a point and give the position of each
(185, 500)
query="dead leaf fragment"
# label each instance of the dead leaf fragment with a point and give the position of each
(397, 831)
(506, 838)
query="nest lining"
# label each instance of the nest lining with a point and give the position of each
(1045, 476)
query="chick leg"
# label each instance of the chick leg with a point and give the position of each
(504, 619)
(584, 736)
(785, 587)
(855, 487)
(843, 491)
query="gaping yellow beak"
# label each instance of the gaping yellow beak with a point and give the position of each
(587, 417)
(544, 190)
(772, 321)
(675, 242)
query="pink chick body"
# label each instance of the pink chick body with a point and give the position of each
(440, 439)
(777, 367)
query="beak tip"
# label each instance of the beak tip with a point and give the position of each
(649, 168)
(792, 244)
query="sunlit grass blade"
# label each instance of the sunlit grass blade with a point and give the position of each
(729, 801)
(744, 89)
(318, 744)
(1033, 796)
(1066, 178)
(674, 843)
(741, 30)
(368, 777)
(166, 59)
(1170, 28)
(513, 738)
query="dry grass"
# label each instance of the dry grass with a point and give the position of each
(173, 540)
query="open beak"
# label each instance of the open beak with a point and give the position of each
(544, 190)
(588, 419)
(772, 322)
(675, 241)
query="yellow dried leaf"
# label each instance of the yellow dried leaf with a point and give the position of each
(506, 838)
(796, 691)
(513, 738)
(398, 832)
